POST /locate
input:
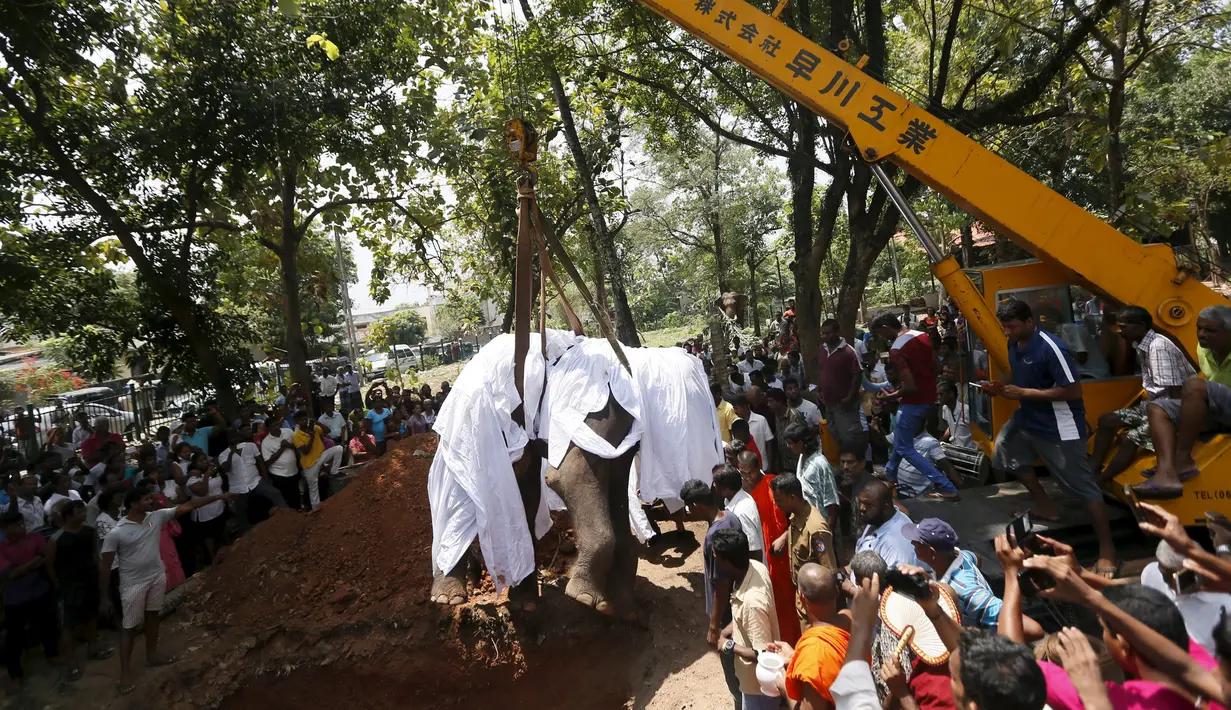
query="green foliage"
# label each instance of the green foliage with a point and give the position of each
(406, 327)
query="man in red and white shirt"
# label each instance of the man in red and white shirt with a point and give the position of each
(911, 352)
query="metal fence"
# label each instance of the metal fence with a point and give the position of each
(136, 414)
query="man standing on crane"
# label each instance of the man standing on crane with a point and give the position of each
(911, 351)
(1050, 424)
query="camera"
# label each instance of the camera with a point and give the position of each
(914, 585)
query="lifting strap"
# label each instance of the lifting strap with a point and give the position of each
(522, 291)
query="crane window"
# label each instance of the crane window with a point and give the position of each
(1062, 311)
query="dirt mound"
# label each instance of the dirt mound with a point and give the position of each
(333, 606)
(368, 546)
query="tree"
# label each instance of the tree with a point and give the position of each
(405, 327)
(87, 160)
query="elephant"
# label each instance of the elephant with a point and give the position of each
(595, 417)
(595, 490)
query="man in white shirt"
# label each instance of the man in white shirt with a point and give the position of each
(281, 460)
(809, 411)
(82, 430)
(242, 463)
(353, 398)
(730, 486)
(955, 414)
(883, 532)
(27, 503)
(134, 543)
(1201, 610)
(329, 386)
(62, 489)
(749, 364)
(758, 426)
(333, 421)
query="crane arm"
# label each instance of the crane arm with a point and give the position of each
(886, 126)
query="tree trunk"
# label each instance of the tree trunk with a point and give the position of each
(626, 329)
(1115, 150)
(720, 265)
(752, 295)
(807, 270)
(288, 258)
(968, 243)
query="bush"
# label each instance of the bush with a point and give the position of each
(427, 362)
(43, 382)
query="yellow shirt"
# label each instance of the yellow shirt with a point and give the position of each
(754, 623)
(726, 415)
(318, 447)
(1219, 372)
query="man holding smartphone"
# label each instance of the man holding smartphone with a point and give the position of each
(1049, 424)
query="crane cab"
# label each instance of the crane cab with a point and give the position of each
(1055, 295)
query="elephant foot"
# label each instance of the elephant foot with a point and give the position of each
(525, 595)
(449, 590)
(583, 593)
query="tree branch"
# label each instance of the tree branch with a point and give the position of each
(302, 229)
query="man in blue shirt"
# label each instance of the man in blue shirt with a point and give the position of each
(1049, 424)
(703, 503)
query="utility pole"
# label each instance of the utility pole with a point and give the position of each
(893, 255)
(350, 321)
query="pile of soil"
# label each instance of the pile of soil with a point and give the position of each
(333, 606)
(368, 546)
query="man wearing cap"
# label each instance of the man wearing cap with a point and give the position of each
(935, 544)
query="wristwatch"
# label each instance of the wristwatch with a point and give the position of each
(728, 646)
(1223, 549)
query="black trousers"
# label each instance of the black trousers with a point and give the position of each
(288, 486)
(22, 622)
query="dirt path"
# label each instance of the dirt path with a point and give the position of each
(677, 669)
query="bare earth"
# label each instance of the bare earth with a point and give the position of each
(672, 669)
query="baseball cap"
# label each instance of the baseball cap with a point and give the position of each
(931, 531)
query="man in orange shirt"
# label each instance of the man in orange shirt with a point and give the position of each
(816, 660)
(773, 524)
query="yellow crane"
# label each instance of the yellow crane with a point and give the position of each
(1072, 246)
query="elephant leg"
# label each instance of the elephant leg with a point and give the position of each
(581, 481)
(584, 482)
(450, 587)
(526, 593)
(623, 573)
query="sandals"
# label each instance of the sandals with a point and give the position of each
(102, 654)
(73, 675)
(162, 662)
(125, 689)
(1152, 491)
(937, 495)
(1183, 476)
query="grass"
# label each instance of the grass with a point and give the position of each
(670, 336)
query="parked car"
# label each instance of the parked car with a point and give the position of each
(89, 394)
(376, 364)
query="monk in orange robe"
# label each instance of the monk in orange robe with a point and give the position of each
(817, 659)
(773, 525)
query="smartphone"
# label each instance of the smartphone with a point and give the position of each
(1142, 515)
(914, 586)
(1213, 517)
(1033, 581)
(1186, 582)
(1021, 533)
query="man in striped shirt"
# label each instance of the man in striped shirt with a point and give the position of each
(1164, 369)
(1049, 424)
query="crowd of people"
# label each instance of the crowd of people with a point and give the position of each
(96, 531)
(826, 568)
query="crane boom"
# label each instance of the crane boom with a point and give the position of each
(887, 126)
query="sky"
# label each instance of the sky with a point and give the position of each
(360, 298)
